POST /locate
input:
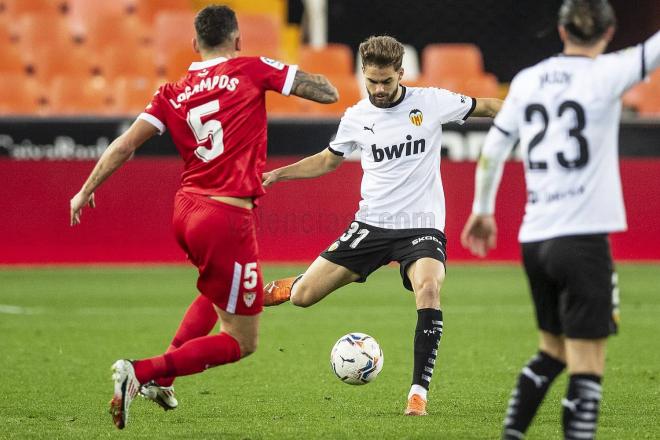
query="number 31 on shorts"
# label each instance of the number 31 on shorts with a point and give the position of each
(354, 229)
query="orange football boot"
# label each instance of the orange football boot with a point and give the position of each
(416, 406)
(278, 291)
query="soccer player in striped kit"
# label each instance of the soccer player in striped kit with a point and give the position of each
(565, 112)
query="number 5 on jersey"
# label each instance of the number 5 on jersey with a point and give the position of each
(209, 131)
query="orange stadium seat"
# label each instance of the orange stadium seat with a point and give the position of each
(166, 41)
(177, 62)
(72, 61)
(41, 30)
(19, 95)
(333, 59)
(74, 96)
(451, 61)
(478, 87)
(21, 7)
(119, 61)
(148, 10)
(99, 32)
(132, 94)
(280, 105)
(349, 95)
(485, 86)
(86, 10)
(7, 30)
(260, 35)
(645, 97)
(12, 60)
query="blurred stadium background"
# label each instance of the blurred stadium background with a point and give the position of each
(76, 72)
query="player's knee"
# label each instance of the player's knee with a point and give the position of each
(428, 287)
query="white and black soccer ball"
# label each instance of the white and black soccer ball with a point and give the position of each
(356, 358)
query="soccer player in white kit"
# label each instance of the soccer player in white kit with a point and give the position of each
(565, 111)
(401, 216)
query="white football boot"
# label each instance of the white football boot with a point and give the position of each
(163, 396)
(126, 388)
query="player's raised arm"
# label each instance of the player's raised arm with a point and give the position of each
(314, 87)
(119, 151)
(311, 166)
(487, 107)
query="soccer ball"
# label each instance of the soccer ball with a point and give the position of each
(356, 358)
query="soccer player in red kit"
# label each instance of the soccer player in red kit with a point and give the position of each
(217, 119)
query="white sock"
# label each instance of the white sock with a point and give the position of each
(418, 389)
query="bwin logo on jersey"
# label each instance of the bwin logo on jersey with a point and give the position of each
(395, 151)
(416, 117)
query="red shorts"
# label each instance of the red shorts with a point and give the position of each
(221, 241)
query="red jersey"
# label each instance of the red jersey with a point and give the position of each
(216, 115)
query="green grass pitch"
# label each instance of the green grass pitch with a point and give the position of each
(61, 329)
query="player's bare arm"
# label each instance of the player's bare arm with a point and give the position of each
(314, 87)
(119, 151)
(487, 107)
(311, 166)
(479, 234)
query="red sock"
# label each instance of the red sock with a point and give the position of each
(199, 320)
(192, 357)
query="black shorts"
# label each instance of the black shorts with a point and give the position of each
(363, 248)
(573, 285)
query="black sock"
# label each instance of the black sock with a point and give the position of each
(427, 339)
(533, 382)
(581, 406)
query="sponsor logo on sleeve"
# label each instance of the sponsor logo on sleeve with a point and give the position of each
(272, 63)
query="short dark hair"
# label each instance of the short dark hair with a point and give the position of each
(586, 20)
(381, 51)
(215, 24)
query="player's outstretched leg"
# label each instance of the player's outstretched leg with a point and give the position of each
(192, 357)
(279, 291)
(125, 389)
(199, 320)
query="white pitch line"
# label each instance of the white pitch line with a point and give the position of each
(18, 310)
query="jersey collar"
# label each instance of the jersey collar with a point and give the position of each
(199, 65)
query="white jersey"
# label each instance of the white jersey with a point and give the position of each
(565, 111)
(400, 155)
